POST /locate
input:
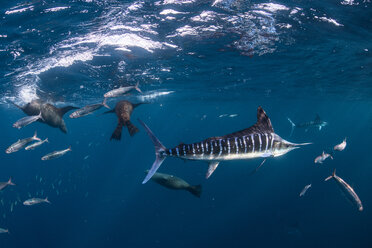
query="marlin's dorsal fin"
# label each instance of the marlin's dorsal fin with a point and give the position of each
(64, 110)
(263, 121)
(263, 125)
(317, 118)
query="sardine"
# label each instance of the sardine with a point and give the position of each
(3, 185)
(121, 91)
(88, 109)
(303, 192)
(36, 144)
(320, 159)
(27, 120)
(21, 143)
(56, 154)
(347, 190)
(34, 201)
(341, 146)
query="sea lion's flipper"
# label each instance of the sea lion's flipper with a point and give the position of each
(195, 190)
(117, 132)
(64, 110)
(132, 129)
(63, 127)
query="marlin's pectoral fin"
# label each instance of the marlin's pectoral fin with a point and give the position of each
(212, 167)
(258, 167)
(320, 128)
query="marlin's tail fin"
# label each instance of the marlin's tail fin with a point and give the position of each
(293, 125)
(117, 132)
(10, 182)
(132, 129)
(196, 190)
(159, 152)
(46, 200)
(332, 176)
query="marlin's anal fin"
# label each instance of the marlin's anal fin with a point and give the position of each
(212, 167)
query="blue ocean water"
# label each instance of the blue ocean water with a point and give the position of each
(204, 68)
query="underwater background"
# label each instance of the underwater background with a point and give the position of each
(204, 68)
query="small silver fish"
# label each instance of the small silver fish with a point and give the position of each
(2, 230)
(56, 154)
(320, 159)
(88, 109)
(340, 147)
(3, 185)
(347, 190)
(34, 201)
(122, 90)
(36, 144)
(21, 143)
(303, 192)
(27, 120)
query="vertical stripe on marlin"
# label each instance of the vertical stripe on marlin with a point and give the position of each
(206, 146)
(219, 154)
(272, 142)
(228, 146)
(267, 142)
(245, 144)
(193, 149)
(184, 150)
(260, 140)
(170, 152)
(178, 152)
(202, 148)
(211, 148)
(252, 138)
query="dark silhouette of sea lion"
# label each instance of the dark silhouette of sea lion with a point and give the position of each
(123, 110)
(173, 182)
(51, 115)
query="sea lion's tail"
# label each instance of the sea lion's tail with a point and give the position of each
(132, 129)
(159, 152)
(196, 190)
(117, 132)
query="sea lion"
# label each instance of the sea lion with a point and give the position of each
(123, 110)
(51, 115)
(173, 182)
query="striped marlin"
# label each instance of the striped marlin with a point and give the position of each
(257, 141)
